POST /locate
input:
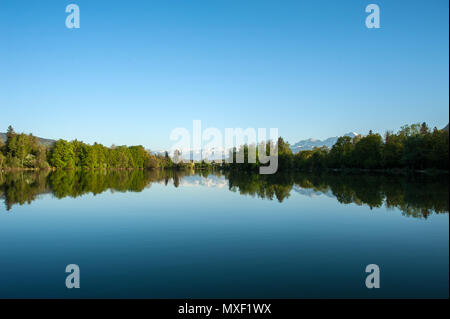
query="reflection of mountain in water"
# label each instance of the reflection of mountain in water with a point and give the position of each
(414, 195)
(310, 192)
(210, 181)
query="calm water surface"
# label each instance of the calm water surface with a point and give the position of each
(206, 235)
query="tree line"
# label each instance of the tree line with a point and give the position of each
(22, 151)
(416, 195)
(413, 147)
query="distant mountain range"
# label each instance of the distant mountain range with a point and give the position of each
(303, 145)
(43, 141)
(198, 155)
(310, 143)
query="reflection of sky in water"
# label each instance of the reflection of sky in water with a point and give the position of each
(210, 181)
(210, 242)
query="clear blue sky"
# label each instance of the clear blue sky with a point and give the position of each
(137, 69)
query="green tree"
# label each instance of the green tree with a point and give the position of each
(439, 156)
(19, 146)
(63, 155)
(392, 150)
(367, 152)
(285, 157)
(139, 156)
(341, 153)
(9, 135)
(2, 160)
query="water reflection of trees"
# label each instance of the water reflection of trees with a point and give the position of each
(277, 186)
(23, 187)
(414, 195)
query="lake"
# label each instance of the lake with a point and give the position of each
(165, 234)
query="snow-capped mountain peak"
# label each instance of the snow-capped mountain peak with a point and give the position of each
(221, 153)
(311, 143)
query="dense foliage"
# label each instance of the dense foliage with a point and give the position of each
(413, 147)
(24, 151)
(416, 195)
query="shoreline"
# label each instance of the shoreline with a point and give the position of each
(395, 171)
